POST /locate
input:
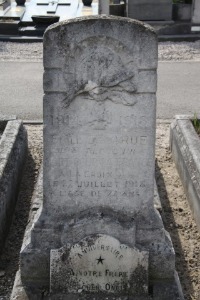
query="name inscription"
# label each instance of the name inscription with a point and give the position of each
(89, 166)
(98, 145)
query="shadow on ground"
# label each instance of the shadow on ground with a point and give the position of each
(171, 226)
(9, 260)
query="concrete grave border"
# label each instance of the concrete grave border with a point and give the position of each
(185, 148)
(13, 149)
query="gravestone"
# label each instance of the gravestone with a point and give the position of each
(196, 12)
(3, 5)
(104, 7)
(150, 10)
(98, 235)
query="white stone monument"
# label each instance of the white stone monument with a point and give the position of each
(98, 235)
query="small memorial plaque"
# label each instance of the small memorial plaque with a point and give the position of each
(99, 263)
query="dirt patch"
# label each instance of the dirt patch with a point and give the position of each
(176, 215)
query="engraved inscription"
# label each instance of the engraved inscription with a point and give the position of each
(101, 124)
(94, 145)
(98, 263)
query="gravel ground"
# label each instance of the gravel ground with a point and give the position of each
(176, 215)
(180, 51)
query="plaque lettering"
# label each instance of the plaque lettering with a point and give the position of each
(98, 263)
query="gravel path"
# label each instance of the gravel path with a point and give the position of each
(179, 51)
(176, 215)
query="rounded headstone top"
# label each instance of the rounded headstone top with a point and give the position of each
(112, 19)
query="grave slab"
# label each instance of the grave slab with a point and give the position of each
(65, 10)
(14, 13)
(46, 2)
(52, 7)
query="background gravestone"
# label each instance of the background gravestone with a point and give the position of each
(150, 10)
(98, 233)
(196, 12)
(104, 7)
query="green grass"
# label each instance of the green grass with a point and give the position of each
(196, 123)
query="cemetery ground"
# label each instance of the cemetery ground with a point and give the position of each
(176, 213)
(175, 51)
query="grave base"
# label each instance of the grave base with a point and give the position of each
(166, 290)
(162, 290)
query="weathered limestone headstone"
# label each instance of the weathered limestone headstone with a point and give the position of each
(196, 12)
(98, 234)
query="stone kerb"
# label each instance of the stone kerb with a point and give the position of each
(99, 159)
(13, 147)
(185, 145)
